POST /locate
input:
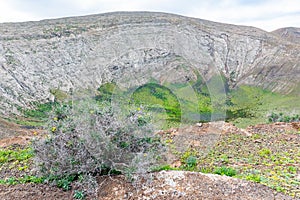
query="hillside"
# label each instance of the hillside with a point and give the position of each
(291, 34)
(131, 48)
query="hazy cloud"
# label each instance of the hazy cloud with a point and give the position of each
(268, 14)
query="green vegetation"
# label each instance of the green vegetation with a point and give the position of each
(40, 112)
(18, 162)
(158, 98)
(162, 167)
(228, 171)
(254, 178)
(38, 116)
(18, 159)
(19, 155)
(249, 105)
(106, 92)
(272, 161)
(172, 102)
(59, 95)
(22, 180)
(189, 160)
(190, 102)
(63, 182)
(274, 117)
(78, 195)
(243, 102)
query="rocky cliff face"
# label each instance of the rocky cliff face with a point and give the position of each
(131, 48)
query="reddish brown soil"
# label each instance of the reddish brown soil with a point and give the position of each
(11, 133)
(33, 192)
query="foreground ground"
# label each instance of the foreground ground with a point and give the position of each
(267, 157)
(165, 185)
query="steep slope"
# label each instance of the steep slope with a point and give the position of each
(131, 48)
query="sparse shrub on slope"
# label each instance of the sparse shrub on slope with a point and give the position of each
(89, 139)
(274, 117)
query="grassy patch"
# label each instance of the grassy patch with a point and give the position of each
(190, 102)
(22, 180)
(250, 105)
(15, 162)
(280, 117)
(17, 155)
(107, 91)
(36, 116)
(59, 95)
(40, 112)
(159, 99)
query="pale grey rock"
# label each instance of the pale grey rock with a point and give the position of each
(131, 48)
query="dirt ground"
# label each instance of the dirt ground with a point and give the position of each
(164, 185)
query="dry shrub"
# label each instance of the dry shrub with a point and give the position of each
(92, 138)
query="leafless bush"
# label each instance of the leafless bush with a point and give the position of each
(89, 139)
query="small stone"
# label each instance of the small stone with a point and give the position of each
(199, 124)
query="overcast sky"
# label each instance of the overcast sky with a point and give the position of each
(266, 14)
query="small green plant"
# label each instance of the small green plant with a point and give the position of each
(31, 179)
(189, 159)
(107, 91)
(206, 170)
(254, 177)
(78, 195)
(264, 152)
(292, 169)
(11, 181)
(224, 158)
(279, 189)
(65, 182)
(191, 162)
(243, 102)
(228, 171)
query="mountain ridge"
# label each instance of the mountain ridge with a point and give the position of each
(291, 34)
(87, 51)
